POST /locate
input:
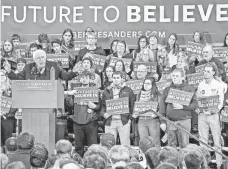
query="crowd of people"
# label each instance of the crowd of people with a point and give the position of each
(164, 145)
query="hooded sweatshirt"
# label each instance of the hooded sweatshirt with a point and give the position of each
(166, 109)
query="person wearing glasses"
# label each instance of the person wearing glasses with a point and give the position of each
(40, 69)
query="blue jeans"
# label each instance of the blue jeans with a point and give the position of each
(150, 127)
(211, 122)
(179, 137)
(123, 130)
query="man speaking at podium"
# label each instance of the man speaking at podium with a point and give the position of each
(40, 69)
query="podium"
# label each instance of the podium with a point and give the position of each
(39, 100)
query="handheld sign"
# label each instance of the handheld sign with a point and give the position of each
(135, 85)
(200, 68)
(117, 106)
(6, 103)
(99, 61)
(127, 62)
(180, 97)
(161, 85)
(21, 49)
(195, 79)
(224, 115)
(194, 48)
(208, 103)
(63, 58)
(140, 108)
(221, 54)
(86, 94)
(78, 45)
(151, 66)
(72, 52)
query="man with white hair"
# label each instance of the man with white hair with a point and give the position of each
(40, 69)
(141, 72)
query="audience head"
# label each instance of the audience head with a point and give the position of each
(4, 160)
(113, 46)
(109, 71)
(142, 43)
(168, 152)
(69, 164)
(118, 78)
(94, 161)
(145, 55)
(21, 62)
(107, 140)
(87, 63)
(16, 39)
(225, 43)
(119, 156)
(38, 156)
(63, 148)
(91, 38)
(11, 145)
(8, 46)
(121, 47)
(119, 66)
(134, 165)
(166, 166)
(198, 36)
(141, 72)
(56, 45)
(146, 143)
(33, 47)
(152, 157)
(178, 76)
(193, 160)
(16, 165)
(25, 140)
(207, 52)
(153, 38)
(68, 38)
(210, 70)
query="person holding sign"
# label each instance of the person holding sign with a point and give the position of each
(209, 119)
(108, 76)
(208, 53)
(8, 121)
(39, 69)
(119, 66)
(85, 115)
(118, 122)
(148, 122)
(154, 45)
(142, 44)
(179, 113)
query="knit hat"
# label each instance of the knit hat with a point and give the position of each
(89, 59)
(21, 60)
(154, 34)
(42, 38)
(11, 144)
(38, 155)
(145, 143)
(107, 140)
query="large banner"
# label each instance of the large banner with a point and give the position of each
(119, 19)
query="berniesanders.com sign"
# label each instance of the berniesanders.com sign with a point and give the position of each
(120, 19)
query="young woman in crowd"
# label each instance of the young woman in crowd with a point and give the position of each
(108, 76)
(183, 63)
(119, 66)
(144, 55)
(225, 43)
(148, 123)
(68, 38)
(198, 37)
(113, 46)
(172, 48)
(7, 50)
(122, 50)
(154, 45)
(56, 46)
(141, 44)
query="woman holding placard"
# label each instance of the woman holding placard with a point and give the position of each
(108, 76)
(148, 122)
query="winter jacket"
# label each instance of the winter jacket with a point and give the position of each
(82, 52)
(30, 72)
(166, 109)
(81, 116)
(124, 92)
